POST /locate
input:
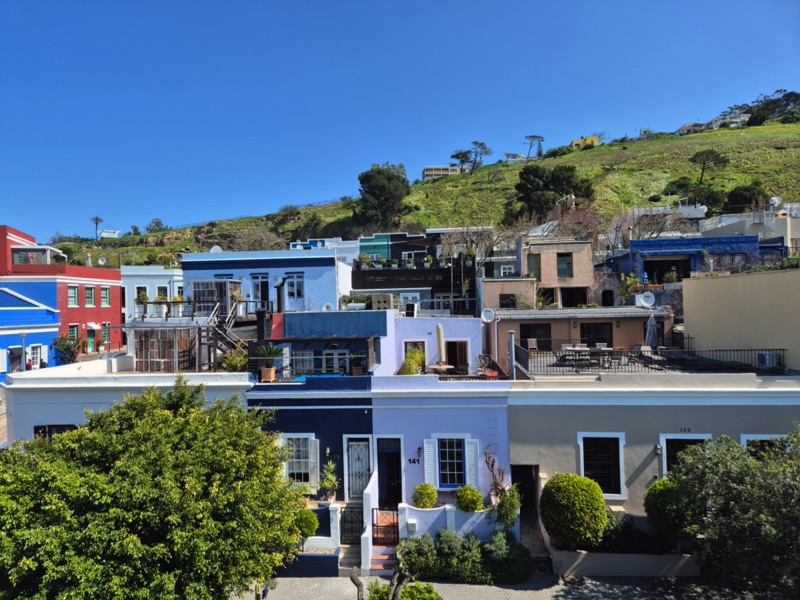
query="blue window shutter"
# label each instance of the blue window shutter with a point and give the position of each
(472, 462)
(431, 464)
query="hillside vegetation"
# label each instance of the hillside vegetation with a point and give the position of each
(624, 174)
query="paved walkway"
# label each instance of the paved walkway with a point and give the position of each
(539, 587)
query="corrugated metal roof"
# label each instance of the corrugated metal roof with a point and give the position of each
(621, 312)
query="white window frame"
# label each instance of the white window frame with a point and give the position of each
(313, 457)
(471, 460)
(35, 351)
(295, 286)
(747, 437)
(77, 301)
(301, 360)
(662, 442)
(90, 290)
(623, 495)
(105, 296)
(77, 331)
(506, 270)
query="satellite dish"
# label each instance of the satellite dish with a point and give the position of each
(328, 307)
(215, 249)
(101, 261)
(647, 299)
(487, 315)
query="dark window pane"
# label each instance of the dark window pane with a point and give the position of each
(601, 463)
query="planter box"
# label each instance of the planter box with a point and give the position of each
(601, 564)
(312, 565)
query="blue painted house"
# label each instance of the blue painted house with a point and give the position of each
(280, 282)
(27, 329)
(660, 256)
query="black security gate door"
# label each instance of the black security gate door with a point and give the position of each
(390, 474)
(352, 525)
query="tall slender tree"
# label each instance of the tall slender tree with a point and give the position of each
(531, 140)
(708, 158)
(477, 152)
(96, 221)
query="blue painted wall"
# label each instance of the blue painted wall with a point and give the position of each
(43, 292)
(359, 324)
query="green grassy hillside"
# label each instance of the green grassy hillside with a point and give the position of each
(623, 174)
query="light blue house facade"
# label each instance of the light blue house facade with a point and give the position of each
(27, 329)
(285, 281)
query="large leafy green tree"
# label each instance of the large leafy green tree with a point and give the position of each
(156, 498)
(539, 189)
(743, 509)
(383, 189)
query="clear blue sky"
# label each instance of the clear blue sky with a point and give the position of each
(194, 110)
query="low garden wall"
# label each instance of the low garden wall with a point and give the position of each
(312, 564)
(415, 521)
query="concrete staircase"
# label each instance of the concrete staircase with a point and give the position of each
(350, 557)
(383, 560)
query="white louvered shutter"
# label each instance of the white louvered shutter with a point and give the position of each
(313, 462)
(431, 464)
(3, 360)
(472, 462)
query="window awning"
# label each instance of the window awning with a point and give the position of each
(93, 326)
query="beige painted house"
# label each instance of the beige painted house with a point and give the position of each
(617, 327)
(563, 269)
(746, 310)
(624, 431)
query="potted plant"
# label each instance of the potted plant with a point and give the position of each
(161, 307)
(469, 259)
(363, 260)
(176, 307)
(410, 262)
(379, 264)
(269, 353)
(428, 261)
(395, 263)
(329, 482)
(141, 304)
(356, 366)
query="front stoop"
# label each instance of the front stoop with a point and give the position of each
(349, 558)
(383, 560)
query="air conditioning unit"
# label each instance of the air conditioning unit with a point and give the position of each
(767, 360)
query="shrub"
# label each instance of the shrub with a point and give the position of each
(424, 496)
(573, 510)
(418, 555)
(413, 363)
(622, 536)
(469, 499)
(663, 506)
(510, 503)
(378, 590)
(329, 482)
(508, 561)
(307, 522)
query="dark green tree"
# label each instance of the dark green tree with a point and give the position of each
(66, 349)
(476, 154)
(742, 509)
(744, 197)
(158, 497)
(156, 226)
(706, 159)
(462, 157)
(539, 189)
(383, 189)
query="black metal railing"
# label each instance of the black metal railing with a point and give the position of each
(564, 359)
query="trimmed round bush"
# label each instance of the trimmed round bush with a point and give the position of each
(469, 499)
(662, 503)
(573, 510)
(424, 496)
(307, 522)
